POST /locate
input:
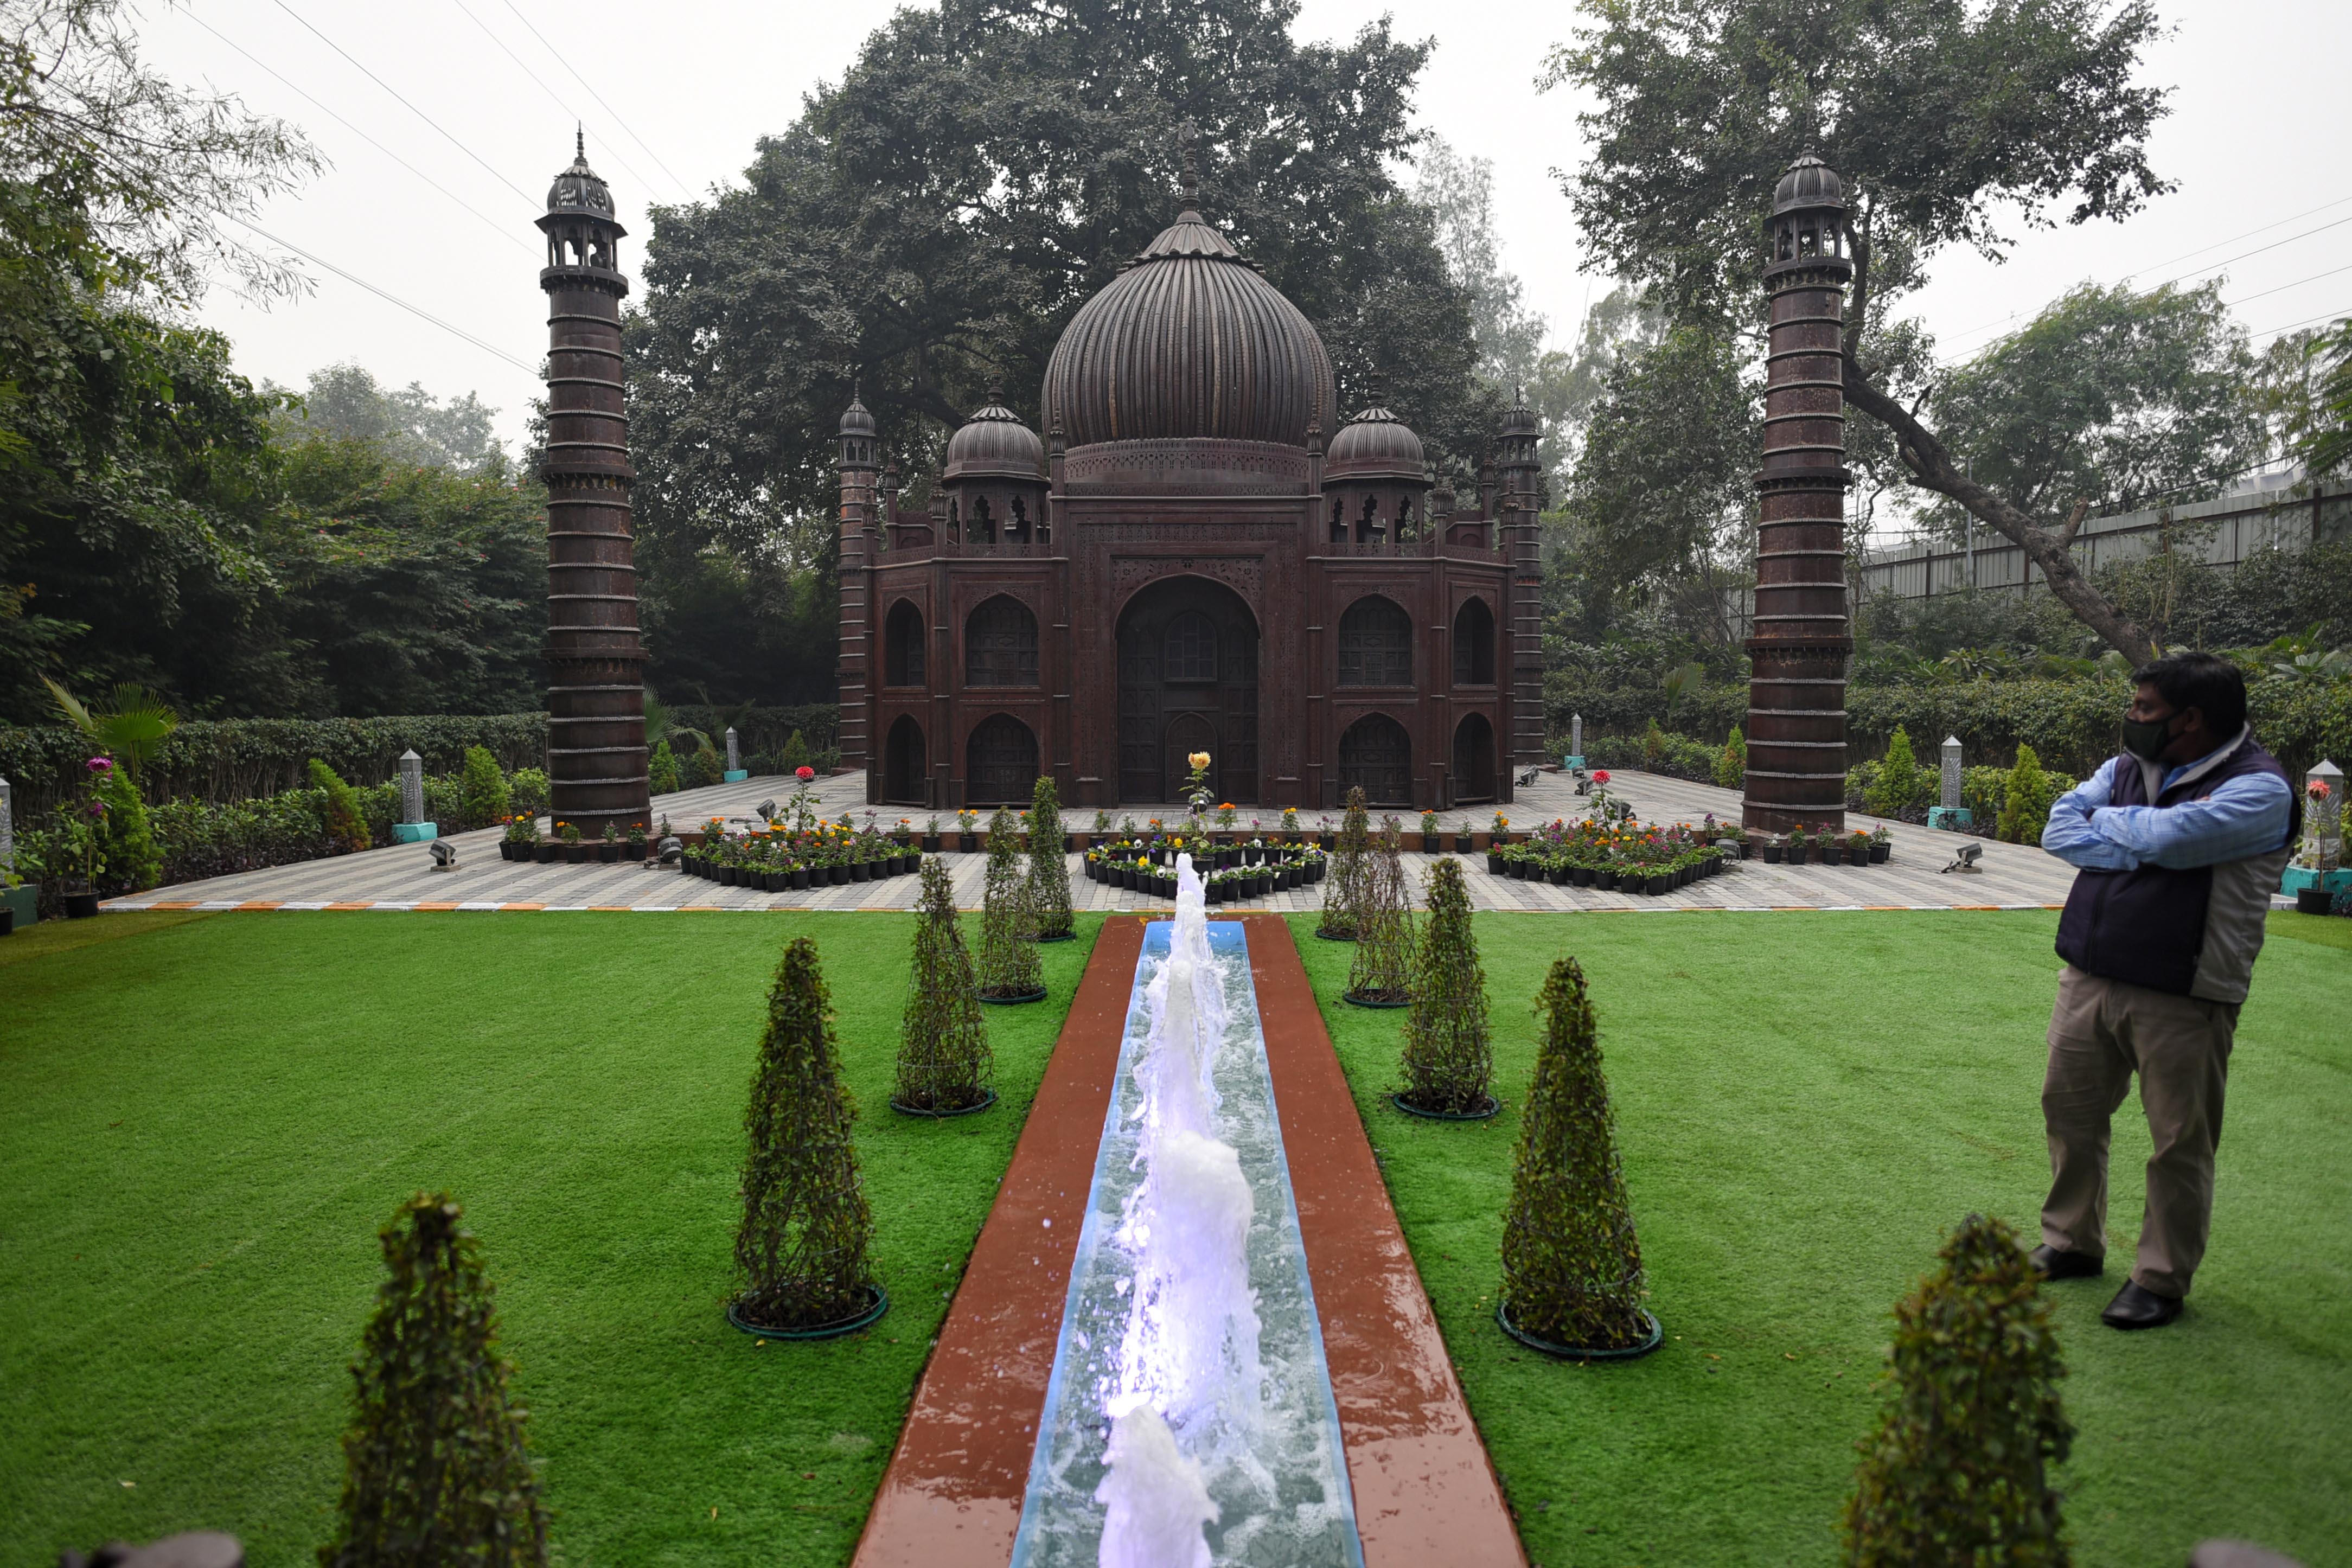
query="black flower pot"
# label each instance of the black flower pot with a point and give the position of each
(838, 875)
(930, 843)
(968, 843)
(79, 905)
(1878, 853)
(1605, 879)
(1797, 853)
(1557, 876)
(1580, 876)
(1774, 855)
(798, 880)
(2312, 900)
(547, 853)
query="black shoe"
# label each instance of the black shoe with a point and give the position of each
(2135, 1308)
(2051, 1263)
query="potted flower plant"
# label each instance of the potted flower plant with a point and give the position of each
(636, 843)
(1431, 839)
(1882, 845)
(85, 844)
(1829, 846)
(967, 839)
(1797, 844)
(521, 839)
(609, 850)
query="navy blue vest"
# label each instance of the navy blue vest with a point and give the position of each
(2145, 926)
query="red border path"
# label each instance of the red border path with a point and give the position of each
(1424, 1490)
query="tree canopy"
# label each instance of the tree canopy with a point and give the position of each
(1950, 124)
(928, 224)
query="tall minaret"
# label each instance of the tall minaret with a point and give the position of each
(860, 473)
(1520, 472)
(1800, 636)
(595, 657)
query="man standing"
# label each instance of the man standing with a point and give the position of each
(2180, 842)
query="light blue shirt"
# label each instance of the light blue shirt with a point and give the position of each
(2242, 816)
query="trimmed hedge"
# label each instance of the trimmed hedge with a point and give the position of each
(2071, 725)
(220, 761)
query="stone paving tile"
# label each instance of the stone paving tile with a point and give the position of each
(402, 877)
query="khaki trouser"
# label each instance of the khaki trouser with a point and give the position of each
(2101, 1032)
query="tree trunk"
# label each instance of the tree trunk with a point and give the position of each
(1932, 468)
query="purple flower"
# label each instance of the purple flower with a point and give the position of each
(95, 809)
(101, 765)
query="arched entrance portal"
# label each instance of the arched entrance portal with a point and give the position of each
(906, 764)
(1474, 758)
(1000, 762)
(1187, 681)
(1376, 757)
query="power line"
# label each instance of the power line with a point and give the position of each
(2308, 320)
(2200, 250)
(2296, 284)
(502, 229)
(412, 109)
(608, 109)
(569, 111)
(386, 295)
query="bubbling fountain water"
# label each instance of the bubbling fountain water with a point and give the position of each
(1154, 1499)
(1191, 1342)
(1189, 1337)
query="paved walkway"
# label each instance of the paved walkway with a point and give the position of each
(2012, 876)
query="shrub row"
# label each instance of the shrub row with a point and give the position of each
(192, 838)
(221, 760)
(2071, 725)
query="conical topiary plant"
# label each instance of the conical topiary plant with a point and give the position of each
(1009, 970)
(1343, 888)
(1381, 975)
(1571, 1263)
(1049, 872)
(1958, 1472)
(943, 1056)
(800, 1250)
(434, 1469)
(1448, 1057)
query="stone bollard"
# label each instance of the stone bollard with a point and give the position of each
(1951, 813)
(412, 827)
(736, 772)
(1575, 758)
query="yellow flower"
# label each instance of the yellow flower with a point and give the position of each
(1198, 759)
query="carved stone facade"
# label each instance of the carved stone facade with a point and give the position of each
(1187, 572)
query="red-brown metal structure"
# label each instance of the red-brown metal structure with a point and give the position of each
(1181, 565)
(596, 658)
(1799, 637)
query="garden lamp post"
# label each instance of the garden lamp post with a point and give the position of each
(1949, 812)
(7, 825)
(413, 828)
(736, 771)
(1575, 758)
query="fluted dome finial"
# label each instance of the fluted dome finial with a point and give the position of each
(1190, 342)
(1191, 136)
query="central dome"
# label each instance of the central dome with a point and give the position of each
(1189, 343)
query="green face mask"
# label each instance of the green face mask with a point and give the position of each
(2146, 738)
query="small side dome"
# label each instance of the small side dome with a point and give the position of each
(1521, 420)
(993, 444)
(578, 189)
(1809, 182)
(856, 420)
(1375, 445)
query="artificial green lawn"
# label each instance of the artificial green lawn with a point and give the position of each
(1805, 1103)
(202, 1122)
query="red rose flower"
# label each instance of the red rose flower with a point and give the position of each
(804, 774)
(1601, 777)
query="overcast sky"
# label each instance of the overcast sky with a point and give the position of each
(2257, 140)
